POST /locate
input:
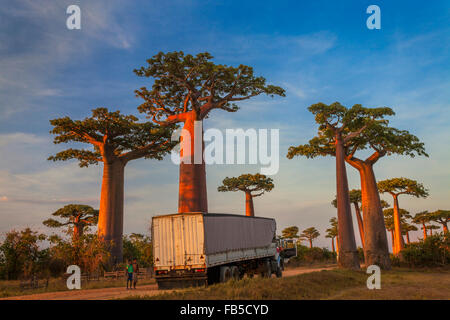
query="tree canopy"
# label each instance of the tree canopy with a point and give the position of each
(184, 83)
(290, 232)
(397, 186)
(113, 135)
(310, 233)
(258, 183)
(78, 215)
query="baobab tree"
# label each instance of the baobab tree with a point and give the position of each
(335, 232)
(338, 127)
(396, 187)
(310, 234)
(185, 90)
(442, 217)
(77, 217)
(290, 233)
(431, 228)
(116, 139)
(407, 228)
(355, 199)
(381, 140)
(422, 218)
(253, 185)
(389, 219)
(331, 234)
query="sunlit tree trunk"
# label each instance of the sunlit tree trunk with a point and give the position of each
(332, 244)
(360, 222)
(192, 195)
(407, 237)
(376, 249)
(348, 255)
(393, 241)
(424, 228)
(110, 220)
(398, 227)
(249, 210)
(337, 247)
(310, 243)
(445, 227)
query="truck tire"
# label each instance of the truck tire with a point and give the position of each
(279, 273)
(225, 274)
(235, 274)
(267, 270)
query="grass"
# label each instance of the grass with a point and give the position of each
(331, 284)
(12, 287)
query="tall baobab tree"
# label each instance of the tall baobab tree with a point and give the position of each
(431, 228)
(249, 184)
(381, 140)
(396, 187)
(334, 230)
(116, 139)
(338, 127)
(77, 217)
(331, 234)
(407, 228)
(442, 217)
(422, 218)
(310, 234)
(185, 90)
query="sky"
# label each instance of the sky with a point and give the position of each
(318, 51)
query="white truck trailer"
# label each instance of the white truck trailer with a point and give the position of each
(191, 249)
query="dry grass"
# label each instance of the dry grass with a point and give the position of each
(334, 284)
(12, 287)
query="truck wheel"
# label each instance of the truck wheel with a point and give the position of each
(267, 270)
(236, 275)
(279, 272)
(225, 274)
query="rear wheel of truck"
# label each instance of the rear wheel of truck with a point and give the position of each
(235, 273)
(225, 274)
(267, 270)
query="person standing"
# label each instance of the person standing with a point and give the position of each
(135, 272)
(129, 271)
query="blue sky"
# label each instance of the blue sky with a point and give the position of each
(316, 50)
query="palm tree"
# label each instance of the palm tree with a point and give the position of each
(310, 234)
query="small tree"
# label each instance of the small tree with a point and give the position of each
(396, 187)
(407, 228)
(76, 216)
(290, 232)
(185, 90)
(116, 140)
(310, 234)
(442, 217)
(422, 218)
(331, 234)
(253, 185)
(431, 228)
(390, 225)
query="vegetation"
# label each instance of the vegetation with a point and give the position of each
(329, 284)
(310, 234)
(249, 184)
(434, 251)
(290, 233)
(396, 187)
(185, 90)
(116, 139)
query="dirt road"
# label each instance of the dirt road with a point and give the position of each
(121, 292)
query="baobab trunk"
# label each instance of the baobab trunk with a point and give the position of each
(110, 219)
(407, 237)
(337, 247)
(77, 229)
(348, 255)
(393, 240)
(444, 227)
(310, 243)
(398, 227)
(360, 222)
(424, 231)
(332, 244)
(376, 248)
(249, 210)
(192, 195)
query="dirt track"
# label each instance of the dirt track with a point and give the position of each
(121, 292)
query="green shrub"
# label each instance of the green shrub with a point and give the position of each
(432, 252)
(315, 254)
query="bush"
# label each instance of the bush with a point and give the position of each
(432, 252)
(315, 254)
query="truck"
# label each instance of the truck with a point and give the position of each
(199, 249)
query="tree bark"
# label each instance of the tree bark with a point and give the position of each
(348, 255)
(110, 220)
(192, 195)
(393, 241)
(376, 248)
(360, 222)
(332, 244)
(424, 231)
(249, 209)
(337, 247)
(445, 227)
(407, 237)
(398, 227)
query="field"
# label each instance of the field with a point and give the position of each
(327, 284)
